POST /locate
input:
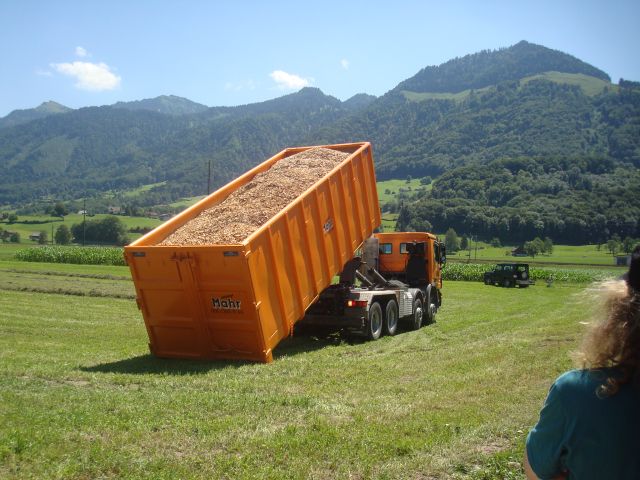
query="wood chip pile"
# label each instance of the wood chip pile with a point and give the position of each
(249, 207)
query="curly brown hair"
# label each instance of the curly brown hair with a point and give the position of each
(613, 339)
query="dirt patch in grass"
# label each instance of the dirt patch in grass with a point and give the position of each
(251, 206)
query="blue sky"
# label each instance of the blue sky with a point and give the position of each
(84, 53)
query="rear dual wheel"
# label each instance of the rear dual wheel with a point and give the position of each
(374, 327)
(391, 318)
(379, 322)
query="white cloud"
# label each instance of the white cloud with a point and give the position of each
(82, 52)
(345, 63)
(288, 81)
(90, 76)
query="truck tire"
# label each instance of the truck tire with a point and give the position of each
(506, 283)
(374, 325)
(487, 281)
(431, 309)
(417, 314)
(391, 318)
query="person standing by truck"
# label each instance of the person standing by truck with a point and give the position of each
(589, 425)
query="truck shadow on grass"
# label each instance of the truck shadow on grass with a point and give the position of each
(304, 341)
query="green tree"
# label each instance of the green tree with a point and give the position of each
(106, 230)
(59, 210)
(628, 244)
(495, 242)
(425, 180)
(409, 178)
(451, 240)
(63, 235)
(14, 237)
(402, 222)
(613, 245)
(531, 248)
(534, 247)
(42, 239)
(548, 245)
(12, 218)
(464, 243)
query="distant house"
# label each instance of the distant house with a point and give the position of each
(518, 252)
(34, 237)
(114, 210)
(623, 260)
(82, 212)
(165, 216)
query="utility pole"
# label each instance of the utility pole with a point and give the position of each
(84, 220)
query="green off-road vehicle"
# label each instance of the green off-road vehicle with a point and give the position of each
(509, 275)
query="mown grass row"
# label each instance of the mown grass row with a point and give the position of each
(473, 272)
(77, 255)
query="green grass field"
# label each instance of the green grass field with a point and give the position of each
(80, 396)
(590, 86)
(562, 255)
(28, 224)
(394, 187)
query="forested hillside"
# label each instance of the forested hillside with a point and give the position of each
(569, 199)
(18, 117)
(487, 68)
(520, 142)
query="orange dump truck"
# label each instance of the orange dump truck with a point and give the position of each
(238, 300)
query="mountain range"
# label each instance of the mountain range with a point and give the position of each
(543, 108)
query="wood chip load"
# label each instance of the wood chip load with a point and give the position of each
(251, 206)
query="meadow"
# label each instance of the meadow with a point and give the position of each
(561, 255)
(82, 398)
(28, 224)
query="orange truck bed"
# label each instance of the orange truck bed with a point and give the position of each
(238, 301)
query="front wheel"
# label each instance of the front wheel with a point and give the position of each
(506, 283)
(391, 318)
(416, 320)
(374, 327)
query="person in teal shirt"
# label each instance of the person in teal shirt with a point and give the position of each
(589, 426)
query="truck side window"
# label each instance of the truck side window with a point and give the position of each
(385, 248)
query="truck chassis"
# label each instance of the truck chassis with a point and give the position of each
(375, 310)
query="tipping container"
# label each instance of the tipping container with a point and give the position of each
(238, 301)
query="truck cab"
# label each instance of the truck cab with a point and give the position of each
(395, 277)
(415, 258)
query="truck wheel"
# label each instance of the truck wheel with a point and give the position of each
(416, 319)
(487, 281)
(374, 326)
(430, 312)
(506, 283)
(391, 318)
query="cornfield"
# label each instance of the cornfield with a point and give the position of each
(77, 255)
(472, 272)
